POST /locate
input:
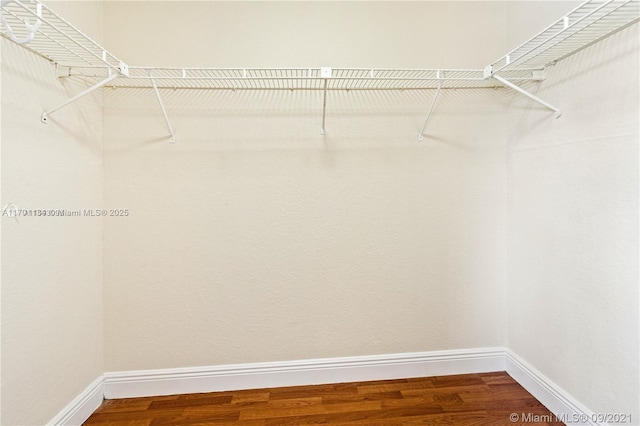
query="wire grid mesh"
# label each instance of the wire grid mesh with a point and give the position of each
(299, 78)
(78, 55)
(56, 39)
(589, 22)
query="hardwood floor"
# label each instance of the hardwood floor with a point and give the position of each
(487, 399)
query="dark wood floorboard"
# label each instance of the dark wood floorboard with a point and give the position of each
(488, 399)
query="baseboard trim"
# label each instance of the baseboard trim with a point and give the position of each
(129, 384)
(82, 406)
(552, 396)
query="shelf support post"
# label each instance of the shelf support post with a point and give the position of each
(325, 73)
(323, 131)
(122, 69)
(164, 111)
(433, 104)
(557, 112)
(46, 114)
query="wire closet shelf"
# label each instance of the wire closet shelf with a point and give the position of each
(588, 23)
(45, 33)
(40, 30)
(300, 78)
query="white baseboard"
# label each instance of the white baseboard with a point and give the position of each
(82, 406)
(552, 396)
(128, 384)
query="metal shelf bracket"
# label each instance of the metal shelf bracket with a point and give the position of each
(45, 115)
(488, 73)
(164, 111)
(123, 70)
(325, 73)
(433, 104)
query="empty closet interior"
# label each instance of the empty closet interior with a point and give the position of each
(195, 192)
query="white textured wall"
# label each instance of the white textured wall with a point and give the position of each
(52, 319)
(573, 225)
(256, 239)
(0, 237)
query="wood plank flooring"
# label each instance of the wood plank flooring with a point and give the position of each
(487, 399)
